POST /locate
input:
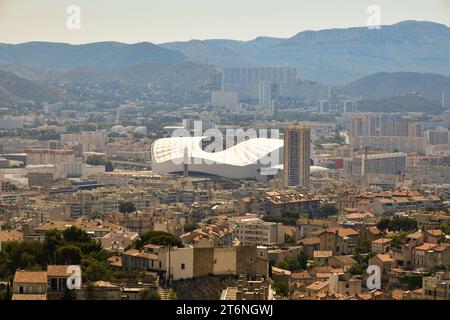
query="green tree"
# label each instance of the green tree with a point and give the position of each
(188, 227)
(173, 295)
(148, 294)
(75, 235)
(398, 239)
(383, 224)
(8, 295)
(289, 239)
(68, 255)
(402, 225)
(446, 228)
(127, 207)
(303, 260)
(356, 269)
(280, 289)
(69, 294)
(94, 270)
(412, 282)
(24, 255)
(364, 246)
(327, 210)
(158, 238)
(52, 240)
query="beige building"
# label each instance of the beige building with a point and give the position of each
(254, 231)
(40, 179)
(342, 284)
(297, 154)
(340, 241)
(192, 262)
(381, 245)
(249, 289)
(436, 287)
(47, 156)
(41, 285)
(30, 285)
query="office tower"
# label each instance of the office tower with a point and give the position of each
(438, 136)
(397, 127)
(384, 163)
(370, 124)
(89, 140)
(274, 98)
(47, 156)
(394, 128)
(356, 127)
(264, 94)
(278, 75)
(297, 151)
(415, 130)
(446, 100)
(274, 108)
(275, 92)
(9, 123)
(349, 106)
(323, 106)
(363, 125)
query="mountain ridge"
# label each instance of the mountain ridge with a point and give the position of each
(331, 56)
(335, 56)
(50, 55)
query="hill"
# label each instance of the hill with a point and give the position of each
(16, 90)
(384, 85)
(184, 76)
(409, 103)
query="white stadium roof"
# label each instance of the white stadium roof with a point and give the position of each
(242, 160)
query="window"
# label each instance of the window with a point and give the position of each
(183, 266)
(21, 290)
(53, 284)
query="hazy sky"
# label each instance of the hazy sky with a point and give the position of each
(170, 20)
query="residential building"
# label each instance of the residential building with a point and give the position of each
(297, 155)
(340, 241)
(436, 287)
(30, 285)
(255, 231)
(381, 245)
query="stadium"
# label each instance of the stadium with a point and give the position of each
(250, 159)
(246, 159)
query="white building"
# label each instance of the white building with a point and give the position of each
(9, 123)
